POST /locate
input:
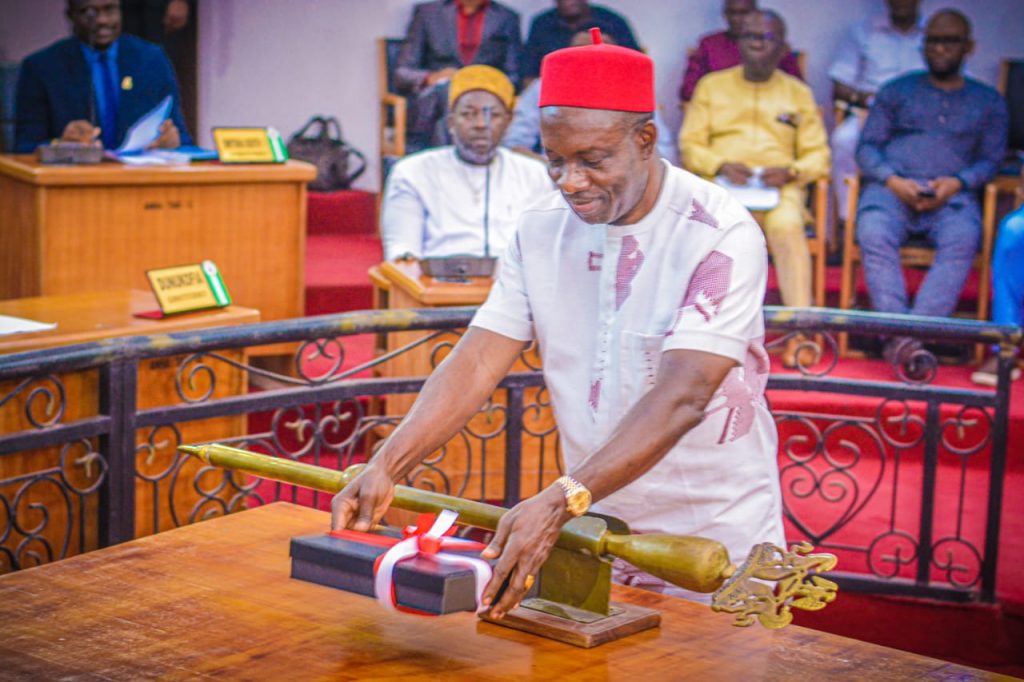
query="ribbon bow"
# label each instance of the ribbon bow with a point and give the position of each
(427, 538)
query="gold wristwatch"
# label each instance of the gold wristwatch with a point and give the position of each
(577, 497)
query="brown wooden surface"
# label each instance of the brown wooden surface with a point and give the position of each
(68, 229)
(93, 317)
(462, 465)
(430, 291)
(215, 599)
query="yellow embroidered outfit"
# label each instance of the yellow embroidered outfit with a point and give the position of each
(774, 123)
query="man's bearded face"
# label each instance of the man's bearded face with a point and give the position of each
(477, 124)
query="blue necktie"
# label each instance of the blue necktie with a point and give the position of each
(108, 113)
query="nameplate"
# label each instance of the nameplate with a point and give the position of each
(249, 145)
(185, 288)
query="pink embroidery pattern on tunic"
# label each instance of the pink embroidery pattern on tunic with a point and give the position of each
(701, 215)
(709, 285)
(594, 261)
(743, 389)
(631, 259)
(595, 394)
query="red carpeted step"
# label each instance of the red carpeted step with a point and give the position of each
(336, 266)
(344, 212)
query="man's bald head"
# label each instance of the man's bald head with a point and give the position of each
(762, 44)
(952, 15)
(947, 42)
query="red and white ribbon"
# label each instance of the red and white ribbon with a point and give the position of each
(419, 541)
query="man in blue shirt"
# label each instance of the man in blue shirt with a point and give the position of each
(931, 142)
(554, 29)
(94, 85)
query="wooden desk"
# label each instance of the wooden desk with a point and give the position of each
(215, 599)
(68, 229)
(92, 317)
(471, 472)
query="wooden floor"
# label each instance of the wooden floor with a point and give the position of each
(215, 599)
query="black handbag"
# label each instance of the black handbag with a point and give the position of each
(324, 148)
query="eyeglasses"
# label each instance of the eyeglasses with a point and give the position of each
(945, 41)
(751, 37)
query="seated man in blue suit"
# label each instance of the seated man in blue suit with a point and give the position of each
(94, 85)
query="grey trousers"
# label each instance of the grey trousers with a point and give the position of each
(884, 223)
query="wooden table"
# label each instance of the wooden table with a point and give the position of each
(402, 285)
(215, 599)
(67, 229)
(93, 317)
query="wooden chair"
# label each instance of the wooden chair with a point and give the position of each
(817, 230)
(393, 107)
(915, 254)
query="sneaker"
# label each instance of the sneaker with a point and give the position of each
(986, 374)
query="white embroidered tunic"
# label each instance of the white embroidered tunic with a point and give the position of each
(605, 301)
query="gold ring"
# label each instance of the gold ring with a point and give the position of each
(528, 583)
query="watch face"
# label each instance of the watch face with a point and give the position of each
(578, 502)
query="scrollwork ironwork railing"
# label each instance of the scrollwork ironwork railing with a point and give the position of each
(902, 478)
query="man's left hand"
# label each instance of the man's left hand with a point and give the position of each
(169, 138)
(523, 540)
(777, 177)
(945, 189)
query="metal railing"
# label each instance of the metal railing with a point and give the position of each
(903, 480)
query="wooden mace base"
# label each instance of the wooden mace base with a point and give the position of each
(626, 619)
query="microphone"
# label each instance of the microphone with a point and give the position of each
(487, 188)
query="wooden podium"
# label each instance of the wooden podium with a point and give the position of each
(69, 229)
(85, 318)
(473, 467)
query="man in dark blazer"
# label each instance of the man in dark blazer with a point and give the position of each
(444, 36)
(94, 85)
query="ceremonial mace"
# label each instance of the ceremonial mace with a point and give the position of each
(575, 582)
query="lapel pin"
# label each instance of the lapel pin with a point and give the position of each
(127, 83)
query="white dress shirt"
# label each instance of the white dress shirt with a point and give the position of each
(434, 203)
(876, 52)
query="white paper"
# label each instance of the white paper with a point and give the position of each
(154, 157)
(754, 195)
(19, 325)
(146, 130)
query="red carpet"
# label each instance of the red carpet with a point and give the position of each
(343, 245)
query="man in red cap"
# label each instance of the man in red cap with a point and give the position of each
(643, 285)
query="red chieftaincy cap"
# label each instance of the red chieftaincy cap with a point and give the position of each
(598, 76)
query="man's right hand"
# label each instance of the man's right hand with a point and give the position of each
(81, 131)
(362, 503)
(905, 189)
(736, 173)
(435, 77)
